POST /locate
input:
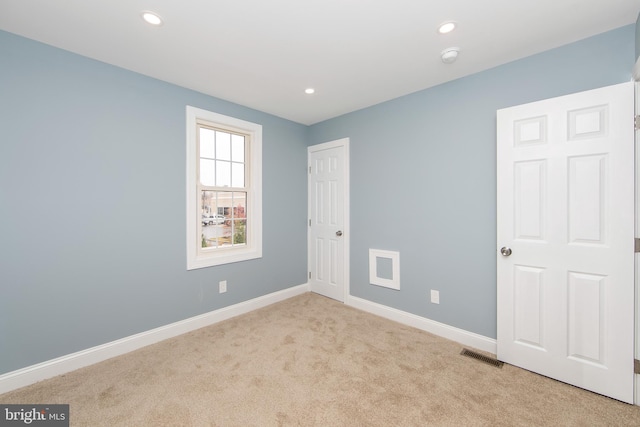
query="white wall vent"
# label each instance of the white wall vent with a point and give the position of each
(384, 268)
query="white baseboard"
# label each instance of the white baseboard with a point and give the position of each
(470, 339)
(61, 365)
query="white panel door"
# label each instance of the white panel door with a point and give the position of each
(565, 219)
(328, 204)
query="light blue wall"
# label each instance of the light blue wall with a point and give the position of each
(638, 37)
(92, 194)
(423, 176)
(92, 205)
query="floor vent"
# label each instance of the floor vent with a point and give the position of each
(481, 357)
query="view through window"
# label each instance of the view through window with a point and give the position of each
(222, 168)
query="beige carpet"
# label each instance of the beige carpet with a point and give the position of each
(311, 361)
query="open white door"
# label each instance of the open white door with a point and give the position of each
(328, 218)
(565, 257)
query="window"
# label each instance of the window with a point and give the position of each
(224, 191)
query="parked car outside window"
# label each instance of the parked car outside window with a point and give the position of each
(213, 219)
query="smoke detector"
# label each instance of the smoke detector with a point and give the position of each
(450, 54)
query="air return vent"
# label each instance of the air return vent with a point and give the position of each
(481, 357)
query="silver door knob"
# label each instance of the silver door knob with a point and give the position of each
(338, 233)
(505, 251)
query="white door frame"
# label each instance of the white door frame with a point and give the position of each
(636, 78)
(637, 234)
(346, 237)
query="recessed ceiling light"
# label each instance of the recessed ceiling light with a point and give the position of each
(151, 18)
(309, 91)
(447, 27)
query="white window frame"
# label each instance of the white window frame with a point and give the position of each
(253, 248)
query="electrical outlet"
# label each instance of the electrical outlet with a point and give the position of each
(222, 286)
(435, 296)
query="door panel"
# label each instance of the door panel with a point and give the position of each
(528, 305)
(565, 171)
(530, 194)
(586, 316)
(587, 195)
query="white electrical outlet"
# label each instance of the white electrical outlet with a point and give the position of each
(435, 296)
(223, 286)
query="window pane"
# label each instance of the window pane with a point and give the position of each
(223, 145)
(239, 218)
(207, 139)
(237, 148)
(237, 174)
(223, 174)
(225, 202)
(239, 205)
(207, 172)
(209, 203)
(240, 232)
(209, 235)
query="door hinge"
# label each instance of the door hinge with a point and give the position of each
(309, 170)
(636, 366)
(637, 245)
(310, 226)
(309, 275)
(636, 122)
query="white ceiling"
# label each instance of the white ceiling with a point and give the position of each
(355, 53)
